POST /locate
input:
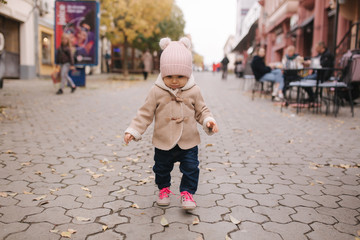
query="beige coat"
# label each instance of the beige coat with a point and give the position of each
(175, 113)
(147, 61)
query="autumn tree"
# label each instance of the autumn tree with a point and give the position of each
(125, 20)
(172, 27)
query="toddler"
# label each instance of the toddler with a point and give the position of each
(176, 103)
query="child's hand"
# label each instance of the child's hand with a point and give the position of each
(212, 125)
(128, 137)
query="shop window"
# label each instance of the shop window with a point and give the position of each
(45, 48)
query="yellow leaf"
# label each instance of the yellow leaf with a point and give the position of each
(39, 198)
(104, 227)
(85, 189)
(209, 145)
(199, 238)
(312, 184)
(118, 136)
(83, 219)
(95, 176)
(26, 164)
(121, 190)
(320, 182)
(134, 205)
(54, 230)
(234, 220)
(227, 237)
(164, 222)
(196, 221)
(71, 230)
(63, 175)
(88, 195)
(3, 194)
(66, 234)
(25, 192)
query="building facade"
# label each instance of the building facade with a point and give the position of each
(302, 23)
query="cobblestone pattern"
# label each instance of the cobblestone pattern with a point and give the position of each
(63, 165)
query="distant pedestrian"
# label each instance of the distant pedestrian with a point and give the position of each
(147, 60)
(107, 61)
(65, 59)
(239, 68)
(224, 66)
(176, 104)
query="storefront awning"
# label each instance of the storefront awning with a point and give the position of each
(246, 42)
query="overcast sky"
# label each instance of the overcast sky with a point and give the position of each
(210, 23)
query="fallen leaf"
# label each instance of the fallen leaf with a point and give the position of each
(25, 192)
(88, 195)
(115, 153)
(26, 164)
(312, 184)
(119, 174)
(259, 150)
(72, 231)
(109, 144)
(121, 190)
(12, 194)
(196, 221)
(89, 171)
(227, 152)
(105, 161)
(66, 234)
(3, 194)
(10, 152)
(356, 238)
(291, 141)
(164, 222)
(104, 227)
(42, 203)
(313, 167)
(83, 219)
(53, 170)
(54, 190)
(38, 173)
(199, 238)
(234, 220)
(209, 145)
(134, 205)
(54, 230)
(63, 175)
(152, 177)
(210, 169)
(227, 237)
(95, 176)
(39, 198)
(320, 182)
(85, 189)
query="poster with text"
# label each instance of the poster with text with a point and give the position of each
(79, 21)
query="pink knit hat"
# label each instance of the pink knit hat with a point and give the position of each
(176, 59)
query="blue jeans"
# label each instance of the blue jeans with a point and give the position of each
(189, 166)
(274, 76)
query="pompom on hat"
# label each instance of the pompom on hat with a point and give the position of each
(176, 59)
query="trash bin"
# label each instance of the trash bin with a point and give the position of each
(78, 76)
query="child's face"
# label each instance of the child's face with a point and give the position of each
(175, 81)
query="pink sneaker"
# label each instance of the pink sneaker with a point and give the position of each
(164, 199)
(187, 201)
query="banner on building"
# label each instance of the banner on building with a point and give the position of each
(79, 21)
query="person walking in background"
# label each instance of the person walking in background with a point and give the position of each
(176, 104)
(268, 73)
(239, 68)
(224, 66)
(147, 60)
(65, 59)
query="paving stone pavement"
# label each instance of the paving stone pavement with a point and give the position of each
(63, 165)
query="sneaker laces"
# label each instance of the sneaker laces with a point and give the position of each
(187, 196)
(164, 193)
